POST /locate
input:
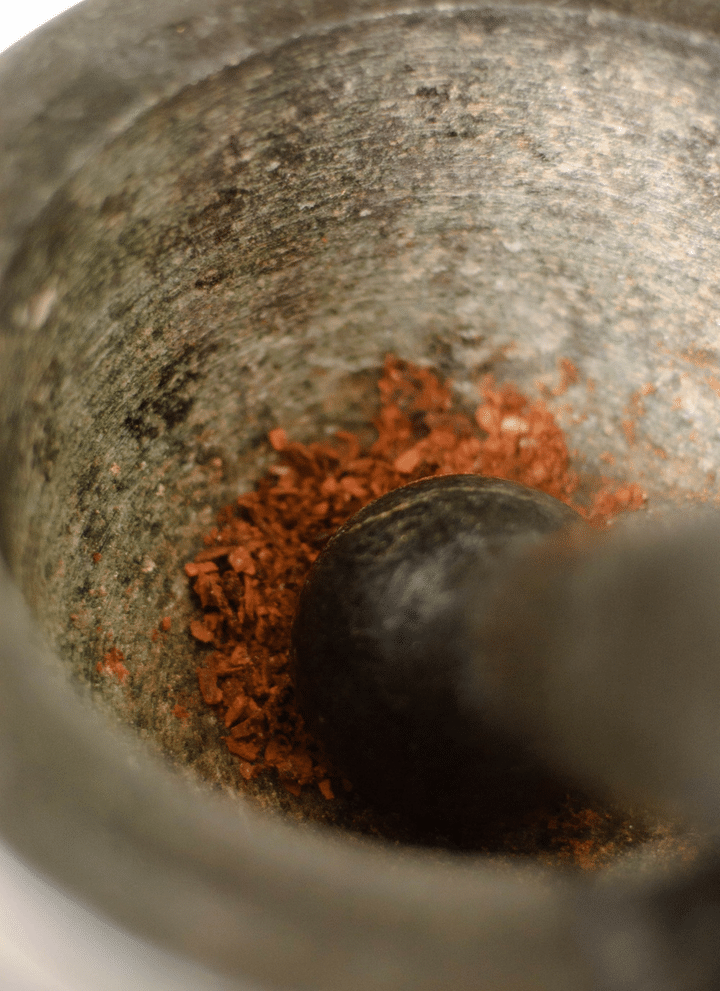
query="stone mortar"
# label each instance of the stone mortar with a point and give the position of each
(217, 218)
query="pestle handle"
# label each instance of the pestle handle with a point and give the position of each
(608, 660)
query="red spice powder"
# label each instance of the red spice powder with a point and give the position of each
(255, 561)
(112, 664)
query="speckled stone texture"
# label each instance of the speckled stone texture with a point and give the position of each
(486, 190)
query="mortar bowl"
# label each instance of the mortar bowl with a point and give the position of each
(217, 219)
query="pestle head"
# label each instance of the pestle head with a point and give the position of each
(385, 647)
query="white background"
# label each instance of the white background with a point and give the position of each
(47, 941)
(19, 18)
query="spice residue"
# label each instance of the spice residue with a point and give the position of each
(113, 664)
(255, 560)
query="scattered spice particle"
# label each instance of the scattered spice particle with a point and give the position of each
(635, 407)
(569, 375)
(701, 357)
(611, 500)
(180, 712)
(658, 452)
(113, 664)
(97, 557)
(575, 838)
(629, 431)
(278, 439)
(200, 631)
(714, 384)
(326, 789)
(255, 560)
(166, 624)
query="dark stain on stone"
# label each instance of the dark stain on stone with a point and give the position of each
(87, 483)
(95, 531)
(487, 21)
(432, 92)
(138, 426)
(45, 450)
(116, 204)
(287, 152)
(134, 238)
(83, 589)
(210, 279)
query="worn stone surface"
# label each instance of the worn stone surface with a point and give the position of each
(486, 191)
(84, 78)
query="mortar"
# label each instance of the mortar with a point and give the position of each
(216, 219)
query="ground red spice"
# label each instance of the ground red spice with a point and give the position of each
(255, 560)
(113, 664)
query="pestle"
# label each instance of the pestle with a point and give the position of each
(386, 649)
(466, 644)
(611, 661)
